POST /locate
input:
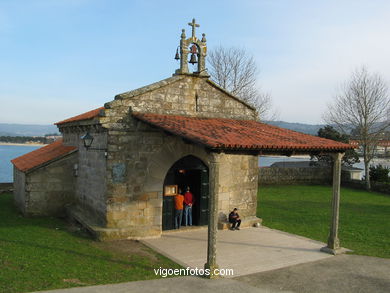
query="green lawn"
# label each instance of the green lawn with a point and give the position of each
(42, 253)
(305, 210)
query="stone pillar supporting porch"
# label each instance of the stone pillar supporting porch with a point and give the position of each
(333, 245)
(211, 263)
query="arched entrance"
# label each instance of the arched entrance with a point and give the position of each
(188, 171)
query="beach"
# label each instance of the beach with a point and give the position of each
(22, 144)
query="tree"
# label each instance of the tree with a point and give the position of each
(379, 173)
(350, 157)
(362, 105)
(236, 71)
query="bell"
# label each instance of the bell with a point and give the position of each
(177, 56)
(193, 59)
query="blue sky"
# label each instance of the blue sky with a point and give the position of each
(60, 58)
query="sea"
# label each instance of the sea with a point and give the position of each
(9, 152)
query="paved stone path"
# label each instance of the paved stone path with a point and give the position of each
(264, 261)
(247, 251)
(342, 273)
(171, 285)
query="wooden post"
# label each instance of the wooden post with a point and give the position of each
(333, 246)
(213, 217)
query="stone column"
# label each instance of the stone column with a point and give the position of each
(213, 216)
(183, 53)
(333, 246)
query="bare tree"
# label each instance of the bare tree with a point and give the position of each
(362, 105)
(236, 71)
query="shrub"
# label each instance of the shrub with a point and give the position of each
(379, 173)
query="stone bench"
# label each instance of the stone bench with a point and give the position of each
(245, 223)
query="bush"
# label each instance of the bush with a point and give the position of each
(379, 173)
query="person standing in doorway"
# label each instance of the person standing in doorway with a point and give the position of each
(188, 202)
(179, 200)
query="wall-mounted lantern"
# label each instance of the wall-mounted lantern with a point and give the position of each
(88, 140)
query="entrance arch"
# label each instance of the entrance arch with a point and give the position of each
(188, 171)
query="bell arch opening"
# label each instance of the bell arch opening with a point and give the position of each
(192, 172)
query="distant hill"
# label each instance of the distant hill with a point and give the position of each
(41, 130)
(26, 129)
(301, 127)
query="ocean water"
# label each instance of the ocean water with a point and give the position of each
(7, 153)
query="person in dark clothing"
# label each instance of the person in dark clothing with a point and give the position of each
(188, 203)
(234, 218)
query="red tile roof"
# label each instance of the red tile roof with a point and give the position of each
(229, 134)
(85, 116)
(42, 155)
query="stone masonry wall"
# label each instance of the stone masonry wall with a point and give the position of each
(238, 185)
(285, 176)
(123, 192)
(91, 180)
(137, 168)
(139, 156)
(48, 189)
(137, 164)
(72, 138)
(20, 190)
(181, 95)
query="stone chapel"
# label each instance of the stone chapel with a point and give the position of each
(116, 167)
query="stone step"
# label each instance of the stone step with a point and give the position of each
(245, 223)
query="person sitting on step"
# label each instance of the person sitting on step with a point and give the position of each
(235, 220)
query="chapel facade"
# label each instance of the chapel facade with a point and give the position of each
(116, 187)
(117, 167)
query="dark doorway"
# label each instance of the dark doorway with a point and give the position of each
(188, 171)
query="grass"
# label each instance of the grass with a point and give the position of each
(42, 254)
(305, 210)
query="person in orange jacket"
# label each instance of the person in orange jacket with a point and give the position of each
(179, 200)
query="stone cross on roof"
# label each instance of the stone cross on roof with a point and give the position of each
(193, 24)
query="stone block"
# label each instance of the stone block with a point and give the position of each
(56, 170)
(143, 197)
(118, 190)
(224, 196)
(244, 164)
(117, 199)
(152, 212)
(114, 216)
(224, 205)
(155, 202)
(141, 205)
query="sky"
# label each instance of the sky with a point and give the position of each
(60, 58)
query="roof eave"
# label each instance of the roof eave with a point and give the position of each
(45, 163)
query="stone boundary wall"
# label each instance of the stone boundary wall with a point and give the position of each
(360, 184)
(6, 187)
(287, 176)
